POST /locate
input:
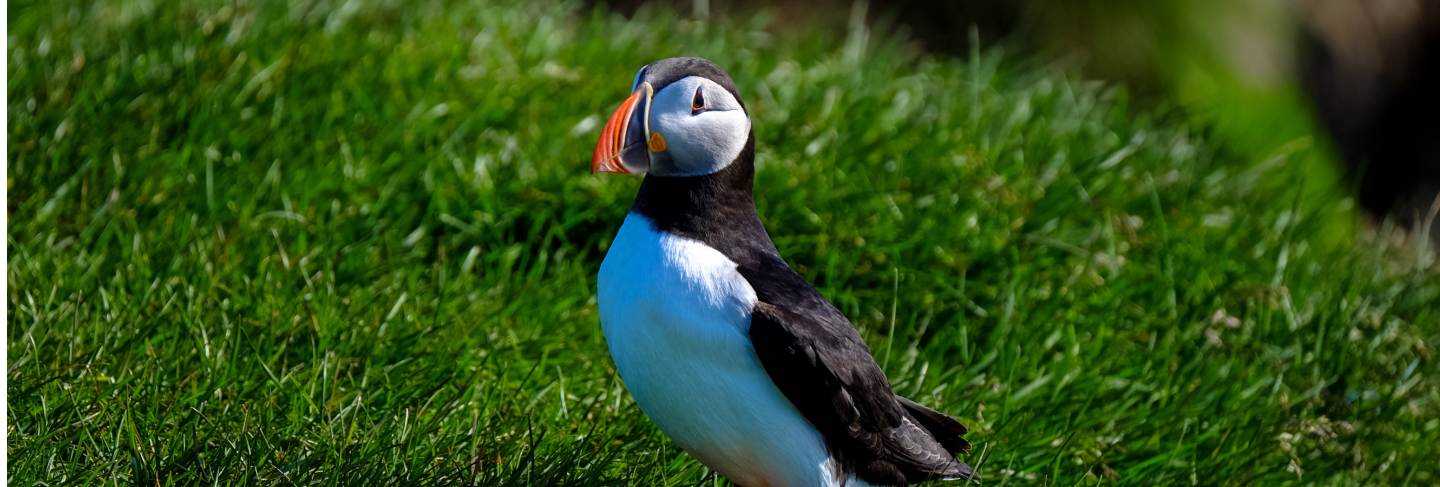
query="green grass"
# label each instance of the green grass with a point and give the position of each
(333, 242)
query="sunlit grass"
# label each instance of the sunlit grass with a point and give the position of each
(349, 242)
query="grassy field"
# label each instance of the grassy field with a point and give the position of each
(329, 242)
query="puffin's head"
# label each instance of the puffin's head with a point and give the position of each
(683, 118)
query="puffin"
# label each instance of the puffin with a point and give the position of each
(729, 351)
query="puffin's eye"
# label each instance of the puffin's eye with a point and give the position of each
(698, 103)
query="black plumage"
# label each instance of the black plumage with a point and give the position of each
(809, 349)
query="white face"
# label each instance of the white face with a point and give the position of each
(703, 127)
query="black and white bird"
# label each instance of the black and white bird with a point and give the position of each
(739, 360)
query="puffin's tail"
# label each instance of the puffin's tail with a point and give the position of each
(946, 430)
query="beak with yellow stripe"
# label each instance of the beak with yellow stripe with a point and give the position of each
(682, 118)
(623, 142)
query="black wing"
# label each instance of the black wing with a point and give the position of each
(818, 360)
(809, 349)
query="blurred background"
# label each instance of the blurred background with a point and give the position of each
(1359, 76)
(333, 241)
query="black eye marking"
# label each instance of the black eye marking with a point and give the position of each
(698, 103)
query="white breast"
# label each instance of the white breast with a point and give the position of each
(676, 315)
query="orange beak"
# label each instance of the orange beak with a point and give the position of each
(622, 145)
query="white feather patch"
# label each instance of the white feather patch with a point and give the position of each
(698, 143)
(676, 315)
